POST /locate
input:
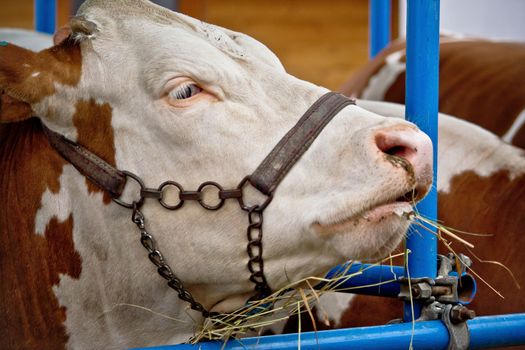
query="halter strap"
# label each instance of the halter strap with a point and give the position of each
(88, 164)
(292, 146)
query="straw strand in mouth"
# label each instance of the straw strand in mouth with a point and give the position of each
(420, 221)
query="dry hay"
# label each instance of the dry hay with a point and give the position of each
(300, 296)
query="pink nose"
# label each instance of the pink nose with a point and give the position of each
(412, 145)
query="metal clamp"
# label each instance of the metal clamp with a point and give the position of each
(454, 318)
(441, 298)
(443, 288)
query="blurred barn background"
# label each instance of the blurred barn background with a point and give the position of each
(320, 41)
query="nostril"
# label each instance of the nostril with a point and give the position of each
(396, 146)
(400, 151)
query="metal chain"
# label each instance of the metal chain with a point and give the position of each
(254, 232)
(164, 270)
(255, 252)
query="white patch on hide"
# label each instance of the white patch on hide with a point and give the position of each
(52, 207)
(333, 305)
(62, 104)
(519, 122)
(387, 75)
(35, 74)
(464, 146)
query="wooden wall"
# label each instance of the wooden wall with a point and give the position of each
(319, 41)
(19, 13)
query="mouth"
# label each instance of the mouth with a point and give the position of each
(400, 207)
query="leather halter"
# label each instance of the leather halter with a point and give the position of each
(265, 178)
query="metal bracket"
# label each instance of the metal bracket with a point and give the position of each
(459, 334)
(444, 288)
(440, 296)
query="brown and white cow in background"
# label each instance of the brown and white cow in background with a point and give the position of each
(171, 98)
(481, 179)
(479, 80)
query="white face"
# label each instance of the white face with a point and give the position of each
(192, 102)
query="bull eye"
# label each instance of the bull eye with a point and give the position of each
(185, 91)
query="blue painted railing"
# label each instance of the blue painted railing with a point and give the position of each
(45, 16)
(378, 25)
(485, 332)
(422, 108)
(383, 280)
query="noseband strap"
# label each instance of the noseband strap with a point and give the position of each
(265, 178)
(296, 141)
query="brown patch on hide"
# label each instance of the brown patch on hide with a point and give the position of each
(396, 91)
(292, 324)
(484, 82)
(29, 77)
(496, 205)
(93, 123)
(30, 264)
(365, 310)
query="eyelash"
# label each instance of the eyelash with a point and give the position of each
(185, 91)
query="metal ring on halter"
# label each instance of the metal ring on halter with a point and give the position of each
(208, 206)
(258, 207)
(179, 204)
(137, 203)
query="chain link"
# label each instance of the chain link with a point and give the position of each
(164, 270)
(255, 252)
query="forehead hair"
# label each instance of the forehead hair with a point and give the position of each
(121, 17)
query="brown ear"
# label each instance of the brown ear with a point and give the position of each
(27, 77)
(12, 110)
(61, 34)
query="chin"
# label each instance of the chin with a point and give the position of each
(371, 235)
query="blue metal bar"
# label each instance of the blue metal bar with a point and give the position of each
(485, 332)
(366, 274)
(45, 16)
(379, 25)
(495, 331)
(382, 281)
(422, 69)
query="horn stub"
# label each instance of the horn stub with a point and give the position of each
(82, 27)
